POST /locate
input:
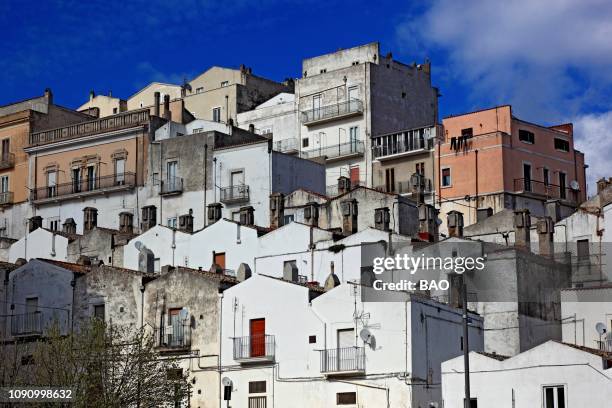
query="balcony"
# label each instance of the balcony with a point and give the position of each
(286, 146)
(6, 198)
(409, 187)
(171, 186)
(255, 348)
(173, 338)
(26, 324)
(604, 345)
(234, 194)
(83, 188)
(402, 148)
(332, 112)
(545, 190)
(7, 161)
(110, 123)
(343, 361)
(335, 152)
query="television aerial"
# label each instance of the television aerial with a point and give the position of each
(368, 338)
(226, 382)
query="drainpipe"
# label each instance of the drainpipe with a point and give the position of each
(476, 166)
(142, 291)
(173, 244)
(161, 184)
(220, 348)
(205, 183)
(73, 284)
(53, 245)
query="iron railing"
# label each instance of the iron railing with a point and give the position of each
(355, 147)
(26, 324)
(261, 346)
(171, 185)
(7, 160)
(175, 336)
(85, 185)
(604, 345)
(286, 145)
(353, 106)
(409, 144)
(347, 359)
(6, 197)
(547, 190)
(234, 194)
(110, 123)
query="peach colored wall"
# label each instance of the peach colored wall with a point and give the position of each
(484, 121)
(16, 127)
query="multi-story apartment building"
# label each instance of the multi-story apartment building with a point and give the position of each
(17, 121)
(146, 97)
(492, 159)
(347, 98)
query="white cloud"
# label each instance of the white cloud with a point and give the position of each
(551, 60)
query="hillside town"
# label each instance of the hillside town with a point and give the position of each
(235, 219)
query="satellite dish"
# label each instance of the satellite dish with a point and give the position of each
(183, 314)
(226, 382)
(574, 185)
(368, 338)
(138, 245)
(601, 328)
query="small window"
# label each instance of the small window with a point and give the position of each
(403, 95)
(526, 136)
(582, 249)
(312, 339)
(199, 90)
(554, 396)
(546, 176)
(305, 142)
(27, 360)
(114, 111)
(174, 374)
(257, 387)
(346, 398)
(216, 114)
(324, 70)
(98, 311)
(288, 219)
(224, 84)
(292, 264)
(469, 132)
(156, 265)
(446, 177)
(171, 222)
(562, 144)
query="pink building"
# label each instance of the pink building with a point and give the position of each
(492, 159)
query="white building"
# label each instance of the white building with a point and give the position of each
(41, 243)
(304, 347)
(551, 375)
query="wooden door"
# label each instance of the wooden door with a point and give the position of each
(258, 337)
(354, 175)
(220, 259)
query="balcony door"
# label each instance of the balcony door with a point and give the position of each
(316, 107)
(527, 176)
(4, 184)
(30, 321)
(5, 149)
(91, 177)
(76, 180)
(258, 337)
(171, 175)
(344, 356)
(237, 184)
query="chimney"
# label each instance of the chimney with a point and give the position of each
(34, 223)
(454, 222)
(213, 213)
(90, 218)
(69, 226)
(311, 213)
(149, 217)
(126, 222)
(167, 113)
(546, 228)
(332, 279)
(251, 128)
(92, 95)
(553, 210)
(522, 224)
(417, 182)
(186, 222)
(243, 273)
(428, 223)
(156, 104)
(382, 218)
(277, 210)
(344, 185)
(49, 96)
(483, 213)
(290, 272)
(349, 216)
(247, 216)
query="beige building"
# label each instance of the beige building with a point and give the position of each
(145, 98)
(103, 105)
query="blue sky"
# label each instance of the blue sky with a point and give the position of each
(551, 60)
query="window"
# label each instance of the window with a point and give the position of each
(554, 396)
(4, 184)
(312, 339)
(114, 111)
(199, 90)
(527, 176)
(120, 172)
(469, 132)
(171, 175)
(354, 137)
(257, 387)
(582, 249)
(156, 265)
(305, 142)
(27, 359)
(76, 180)
(291, 264)
(562, 185)
(224, 84)
(172, 222)
(98, 311)
(288, 219)
(390, 180)
(53, 224)
(346, 398)
(266, 131)
(31, 305)
(420, 168)
(6, 143)
(91, 178)
(562, 144)
(446, 177)
(219, 259)
(51, 183)
(257, 402)
(324, 70)
(216, 114)
(546, 176)
(526, 136)
(353, 93)
(198, 130)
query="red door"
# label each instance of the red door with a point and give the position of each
(258, 337)
(355, 176)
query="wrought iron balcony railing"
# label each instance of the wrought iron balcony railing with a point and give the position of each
(110, 123)
(7, 160)
(26, 324)
(255, 347)
(6, 198)
(234, 194)
(286, 145)
(174, 337)
(353, 148)
(547, 190)
(85, 186)
(343, 360)
(329, 112)
(172, 185)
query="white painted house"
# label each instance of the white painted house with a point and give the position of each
(551, 375)
(295, 345)
(41, 243)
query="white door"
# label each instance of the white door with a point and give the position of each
(316, 107)
(345, 353)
